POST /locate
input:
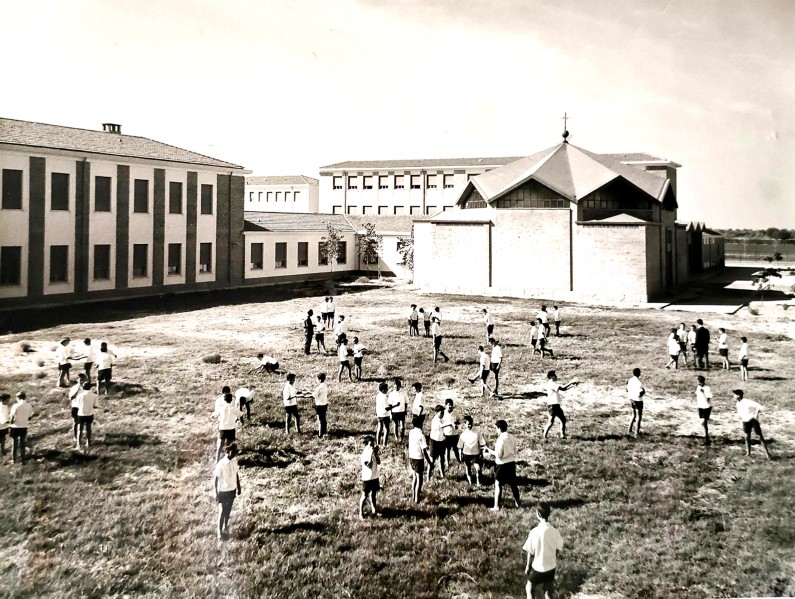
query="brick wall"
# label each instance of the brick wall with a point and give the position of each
(654, 259)
(449, 257)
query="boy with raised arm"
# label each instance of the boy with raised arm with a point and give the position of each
(553, 403)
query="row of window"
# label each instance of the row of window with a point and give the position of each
(280, 254)
(398, 181)
(295, 196)
(59, 193)
(11, 262)
(389, 210)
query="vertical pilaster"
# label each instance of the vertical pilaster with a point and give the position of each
(122, 226)
(190, 228)
(82, 210)
(36, 211)
(159, 227)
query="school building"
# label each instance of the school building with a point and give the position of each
(292, 193)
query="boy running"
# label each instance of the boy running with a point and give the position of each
(244, 398)
(542, 546)
(504, 453)
(533, 336)
(704, 405)
(748, 411)
(635, 391)
(370, 476)
(553, 403)
(226, 480)
(397, 399)
(742, 355)
(418, 455)
(471, 445)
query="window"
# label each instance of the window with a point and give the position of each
(431, 210)
(59, 191)
(12, 189)
(102, 194)
(250, 196)
(256, 256)
(140, 260)
(322, 255)
(287, 196)
(367, 209)
(353, 183)
(174, 258)
(259, 196)
(101, 262)
(10, 264)
(336, 209)
(175, 197)
(281, 255)
(399, 184)
(368, 182)
(383, 210)
(141, 198)
(342, 253)
(448, 181)
(295, 196)
(206, 257)
(431, 181)
(278, 195)
(398, 210)
(59, 263)
(303, 253)
(352, 209)
(337, 183)
(383, 182)
(207, 199)
(415, 210)
(415, 181)
(268, 196)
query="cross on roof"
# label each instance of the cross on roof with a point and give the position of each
(565, 129)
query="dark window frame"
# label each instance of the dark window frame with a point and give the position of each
(103, 194)
(105, 275)
(10, 265)
(280, 247)
(59, 192)
(305, 261)
(175, 197)
(257, 262)
(205, 262)
(136, 256)
(12, 189)
(141, 196)
(206, 198)
(59, 264)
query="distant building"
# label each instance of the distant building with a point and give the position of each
(282, 194)
(100, 214)
(706, 249)
(391, 229)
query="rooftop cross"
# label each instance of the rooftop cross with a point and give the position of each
(565, 130)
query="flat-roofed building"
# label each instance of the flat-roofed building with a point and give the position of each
(291, 193)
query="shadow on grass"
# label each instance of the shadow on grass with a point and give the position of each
(130, 439)
(569, 580)
(466, 500)
(296, 526)
(120, 389)
(770, 378)
(524, 481)
(66, 458)
(392, 512)
(523, 395)
(341, 433)
(611, 437)
(269, 457)
(562, 504)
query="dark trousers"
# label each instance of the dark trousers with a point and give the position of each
(308, 343)
(321, 417)
(18, 435)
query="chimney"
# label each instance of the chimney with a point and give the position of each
(111, 128)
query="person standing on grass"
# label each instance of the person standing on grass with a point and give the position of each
(681, 336)
(105, 361)
(543, 320)
(330, 310)
(341, 330)
(342, 354)
(691, 343)
(226, 480)
(553, 403)
(437, 442)
(702, 345)
(471, 445)
(748, 411)
(417, 407)
(63, 354)
(723, 348)
(320, 395)
(90, 356)
(635, 391)
(504, 453)
(496, 363)
(489, 323)
(673, 350)
(320, 335)
(74, 391)
(414, 321)
(290, 400)
(436, 331)
(397, 400)
(426, 321)
(534, 337)
(418, 456)
(742, 355)
(484, 362)
(437, 314)
(228, 415)
(370, 476)
(542, 341)
(20, 416)
(267, 364)
(5, 420)
(244, 398)
(704, 405)
(382, 409)
(86, 406)
(451, 435)
(221, 399)
(309, 332)
(542, 546)
(358, 356)
(556, 318)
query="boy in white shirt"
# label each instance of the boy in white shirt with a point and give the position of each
(543, 320)
(489, 324)
(382, 409)
(673, 350)
(504, 453)
(86, 405)
(691, 343)
(267, 364)
(437, 443)
(417, 407)
(320, 335)
(418, 449)
(414, 321)
(226, 480)
(451, 433)
(342, 355)
(704, 405)
(635, 392)
(436, 332)
(484, 361)
(341, 330)
(105, 361)
(723, 348)
(542, 342)
(370, 476)
(244, 398)
(556, 318)
(742, 355)
(496, 364)
(228, 415)
(74, 391)
(542, 546)
(553, 403)
(681, 335)
(320, 394)
(471, 444)
(290, 399)
(358, 357)
(748, 411)
(20, 416)
(63, 355)
(397, 399)
(90, 356)
(426, 321)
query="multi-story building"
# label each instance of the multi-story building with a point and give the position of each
(100, 214)
(282, 194)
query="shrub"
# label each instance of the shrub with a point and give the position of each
(362, 280)
(40, 362)
(212, 359)
(785, 306)
(753, 311)
(24, 347)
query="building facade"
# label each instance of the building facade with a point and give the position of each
(89, 215)
(282, 194)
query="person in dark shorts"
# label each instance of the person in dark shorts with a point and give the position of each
(418, 456)
(90, 356)
(309, 332)
(723, 349)
(553, 403)
(436, 331)
(556, 318)
(358, 358)
(228, 414)
(86, 406)
(19, 416)
(471, 445)
(426, 321)
(748, 411)
(484, 370)
(398, 399)
(489, 323)
(704, 405)
(267, 364)
(345, 364)
(320, 395)
(437, 442)
(635, 392)
(370, 476)
(226, 480)
(74, 391)
(63, 354)
(414, 321)
(451, 432)
(382, 413)
(244, 397)
(534, 338)
(742, 355)
(320, 335)
(504, 453)
(495, 363)
(290, 399)
(542, 546)
(105, 361)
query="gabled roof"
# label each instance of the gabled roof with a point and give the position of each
(417, 164)
(383, 224)
(570, 171)
(281, 180)
(294, 222)
(40, 135)
(618, 219)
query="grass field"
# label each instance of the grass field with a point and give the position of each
(657, 516)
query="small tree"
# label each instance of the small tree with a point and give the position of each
(371, 245)
(762, 277)
(331, 245)
(405, 247)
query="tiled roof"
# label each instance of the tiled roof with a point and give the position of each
(40, 135)
(638, 157)
(294, 222)
(281, 180)
(400, 224)
(417, 164)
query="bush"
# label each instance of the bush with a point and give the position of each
(24, 347)
(40, 362)
(212, 359)
(753, 311)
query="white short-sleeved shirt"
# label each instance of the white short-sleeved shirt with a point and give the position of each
(342, 327)
(321, 394)
(471, 442)
(417, 405)
(541, 332)
(747, 409)
(673, 345)
(533, 331)
(380, 405)
(703, 397)
(437, 314)
(244, 392)
(74, 391)
(320, 328)
(484, 359)
(437, 434)
(226, 472)
(90, 353)
(691, 337)
(397, 399)
(487, 319)
(681, 334)
(358, 350)
(448, 423)
(723, 341)
(556, 315)
(342, 352)
(743, 353)
(20, 414)
(496, 354)
(416, 444)
(505, 448)
(436, 329)
(553, 393)
(228, 414)
(634, 389)
(268, 360)
(369, 472)
(543, 317)
(5, 416)
(542, 543)
(63, 353)
(86, 402)
(330, 307)
(288, 395)
(105, 360)
(414, 315)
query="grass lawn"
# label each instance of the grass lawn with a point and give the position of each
(657, 516)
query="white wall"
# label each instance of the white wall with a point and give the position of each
(269, 240)
(14, 223)
(206, 226)
(59, 225)
(256, 198)
(102, 225)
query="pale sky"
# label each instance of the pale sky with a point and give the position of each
(287, 87)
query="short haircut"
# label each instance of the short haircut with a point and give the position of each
(739, 393)
(438, 408)
(342, 317)
(551, 373)
(231, 450)
(480, 348)
(543, 510)
(260, 356)
(310, 312)
(356, 340)
(82, 376)
(468, 419)
(417, 386)
(383, 387)
(416, 421)
(344, 340)
(532, 322)
(321, 377)
(413, 305)
(290, 377)
(87, 386)
(87, 341)
(228, 397)
(103, 346)
(226, 389)
(502, 425)
(722, 330)
(744, 339)
(493, 341)
(368, 440)
(699, 321)
(555, 307)
(449, 402)
(483, 310)
(701, 379)
(4, 396)
(636, 372)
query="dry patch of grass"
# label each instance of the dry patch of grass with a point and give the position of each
(659, 516)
